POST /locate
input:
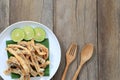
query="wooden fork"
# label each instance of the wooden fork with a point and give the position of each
(70, 56)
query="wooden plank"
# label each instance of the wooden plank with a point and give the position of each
(87, 30)
(75, 20)
(108, 39)
(47, 13)
(4, 14)
(65, 29)
(35, 10)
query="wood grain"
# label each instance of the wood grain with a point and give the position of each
(65, 27)
(75, 20)
(4, 14)
(35, 10)
(81, 21)
(87, 30)
(108, 39)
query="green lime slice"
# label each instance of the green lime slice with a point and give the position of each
(29, 32)
(39, 34)
(17, 35)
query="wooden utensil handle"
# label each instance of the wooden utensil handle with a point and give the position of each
(65, 71)
(77, 72)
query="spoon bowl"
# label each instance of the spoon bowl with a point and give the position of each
(86, 53)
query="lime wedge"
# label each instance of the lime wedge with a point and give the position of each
(17, 35)
(39, 34)
(29, 32)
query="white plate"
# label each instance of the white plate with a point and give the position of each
(54, 51)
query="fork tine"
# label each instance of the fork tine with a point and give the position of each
(73, 48)
(69, 49)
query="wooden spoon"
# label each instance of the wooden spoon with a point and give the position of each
(86, 54)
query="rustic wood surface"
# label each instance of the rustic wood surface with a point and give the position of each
(81, 21)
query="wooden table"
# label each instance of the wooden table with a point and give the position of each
(83, 21)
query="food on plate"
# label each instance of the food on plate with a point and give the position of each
(29, 59)
(17, 35)
(39, 34)
(29, 32)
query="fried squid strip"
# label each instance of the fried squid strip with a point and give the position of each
(38, 48)
(45, 64)
(18, 46)
(22, 62)
(11, 70)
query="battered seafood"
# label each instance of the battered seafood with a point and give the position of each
(28, 58)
